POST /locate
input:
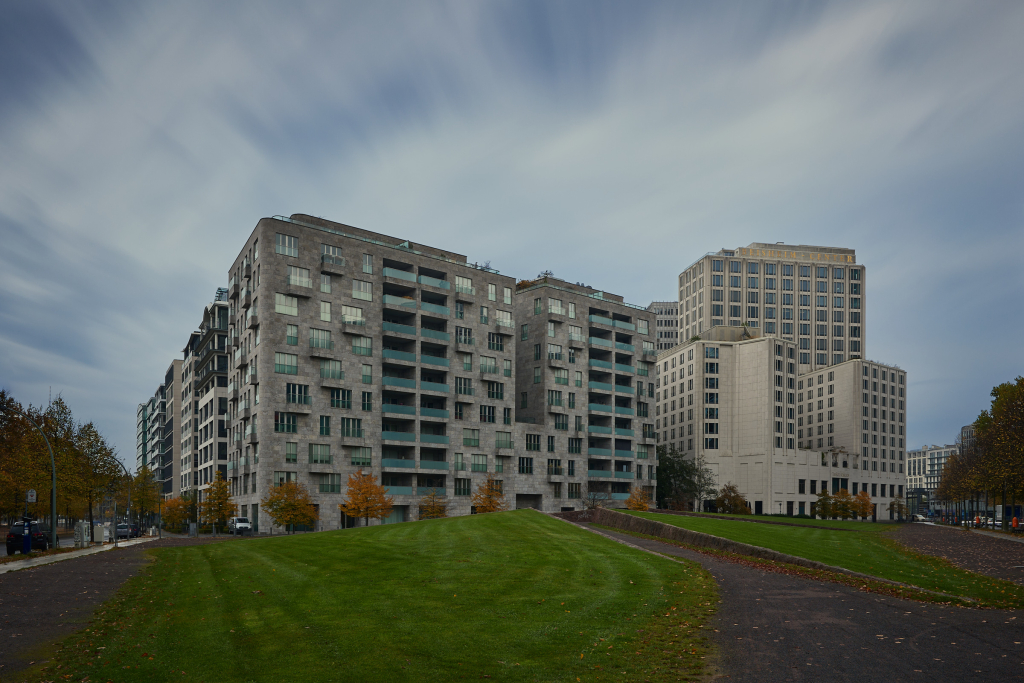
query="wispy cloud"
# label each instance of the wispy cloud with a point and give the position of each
(611, 143)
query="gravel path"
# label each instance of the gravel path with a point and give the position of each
(776, 627)
(39, 605)
(981, 553)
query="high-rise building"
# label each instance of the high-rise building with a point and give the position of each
(142, 436)
(811, 296)
(356, 351)
(158, 444)
(924, 468)
(739, 402)
(584, 372)
(666, 324)
(204, 400)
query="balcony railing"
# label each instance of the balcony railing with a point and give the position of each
(597, 341)
(398, 462)
(619, 367)
(400, 274)
(400, 329)
(402, 301)
(434, 282)
(601, 473)
(599, 407)
(434, 308)
(433, 360)
(595, 363)
(300, 281)
(433, 438)
(398, 436)
(396, 408)
(433, 386)
(399, 355)
(434, 412)
(332, 260)
(464, 289)
(435, 334)
(398, 382)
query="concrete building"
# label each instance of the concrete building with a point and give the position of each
(924, 469)
(666, 323)
(584, 364)
(355, 351)
(142, 435)
(157, 443)
(811, 296)
(204, 400)
(739, 401)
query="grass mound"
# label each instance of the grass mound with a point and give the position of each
(870, 553)
(517, 596)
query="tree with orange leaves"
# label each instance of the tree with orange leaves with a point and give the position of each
(366, 498)
(862, 504)
(638, 499)
(490, 496)
(289, 504)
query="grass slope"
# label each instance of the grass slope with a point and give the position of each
(859, 525)
(868, 552)
(516, 596)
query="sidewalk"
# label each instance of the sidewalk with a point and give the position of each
(50, 559)
(997, 534)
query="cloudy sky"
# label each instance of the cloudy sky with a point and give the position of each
(610, 143)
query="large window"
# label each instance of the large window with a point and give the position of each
(286, 423)
(331, 369)
(286, 363)
(286, 305)
(319, 454)
(362, 290)
(325, 311)
(360, 456)
(287, 245)
(362, 346)
(299, 277)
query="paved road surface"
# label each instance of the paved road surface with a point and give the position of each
(776, 627)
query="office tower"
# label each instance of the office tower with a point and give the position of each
(666, 324)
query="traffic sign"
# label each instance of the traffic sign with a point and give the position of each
(30, 497)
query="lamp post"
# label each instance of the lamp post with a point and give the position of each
(53, 473)
(127, 474)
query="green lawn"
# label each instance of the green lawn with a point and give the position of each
(515, 596)
(868, 552)
(827, 523)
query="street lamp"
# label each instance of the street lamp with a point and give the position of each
(53, 473)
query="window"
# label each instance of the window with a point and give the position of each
(487, 414)
(362, 290)
(551, 329)
(462, 486)
(367, 400)
(329, 483)
(367, 264)
(483, 315)
(506, 416)
(525, 465)
(575, 445)
(286, 305)
(507, 296)
(352, 426)
(537, 308)
(523, 397)
(533, 442)
(320, 339)
(561, 376)
(341, 398)
(352, 314)
(460, 310)
(479, 463)
(464, 285)
(284, 478)
(325, 425)
(471, 437)
(331, 369)
(572, 310)
(561, 423)
(287, 245)
(495, 390)
(503, 439)
(292, 335)
(299, 277)
(536, 375)
(325, 311)
(573, 490)
(642, 327)
(488, 364)
(367, 374)
(495, 342)
(492, 293)
(286, 363)
(463, 335)
(524, 332)
(555, 306)
(320, 454)
(285, 423)
(291, 452)
(464, 385)
(362, 346)
(297, 393)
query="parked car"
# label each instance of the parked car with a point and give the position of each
(920, 518)
(40, 537)
(123, 531)
(135, 531)
(239, 525)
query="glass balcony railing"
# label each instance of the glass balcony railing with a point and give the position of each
(623, 475)
(398, 436)
(599, 319)
(623, 454)
(398, 462)
(404, 302)
(332, 260)
(433, 386)
(434, 412)
(433, 465)
(434, 308)
(597, 429)
(595, 363)
(400, 329)
(400, 274)
(433, 438)
(624, 388)
(600, 473)
(352, 320)
(434, 282)
(624, 325)
(465, 289)
(433, 360)
(399, 355)
(599, 407)
(624, 347)
(623, 432)
(600, 386)
(597, 341)
(398, 382)
(628, 369)
(592, 450)
(399, 490)
(396, 408)
(623, 410)
(300, 281)
(435, 334)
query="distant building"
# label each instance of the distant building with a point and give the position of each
(924, 469)
(666, 323)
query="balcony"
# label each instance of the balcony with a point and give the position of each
(434, 334)
(398, 462)
(577, 341)
(624, 325)
(233, 289)
(399, 274)
(433, 360)
(599, 407)
(247, 271)
(600, 320)
(597, 341)
(555, 357)
(434, 282)
(650, 352)
(625, 347)
(299, 286)
(252, 437)
(465, 341)
(623, 432)
(398, 436)
(623, 454)
(557, 310)
(605, 452)
(595, 363)
(332, 264)
(399, 301)
(246, 298)
(463, 289)
(623, 475)
(434, 308)
(602, 474)
(353, 325)
(398, 382)
(434, 412)
(620, 496)
(398, 409)
(505, 444)
(399, 490)
(391, 354)
(252, 320)
(433, 438)
(433, 465)
(399, 329)
(504, 322)
(597, 429)
(600, 386)
(628, 369)
(624, 388)
(433, 386)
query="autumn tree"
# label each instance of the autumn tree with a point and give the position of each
(730, 501)
(433, 505)
(366, 498)
(824, 507)
(218, 506)
(176, 512)
(146, 492)
(490, 496)
(593, 495)
(638, 499)
(862, 505)
(289, 505)
(842, 504)
(898, 507)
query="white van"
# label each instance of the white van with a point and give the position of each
(239, 525)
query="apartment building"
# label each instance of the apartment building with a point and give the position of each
(811, 296)
(204, 400)
(924, 468)
(156, 444)
(142, 435)
(738, 400)
(666, 323)
(585, 382)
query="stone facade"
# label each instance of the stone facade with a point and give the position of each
(666, 324)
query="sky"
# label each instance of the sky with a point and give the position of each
(611, 143)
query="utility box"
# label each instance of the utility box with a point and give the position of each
(82, 534)
(100, 534)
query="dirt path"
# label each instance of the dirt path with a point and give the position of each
(998, 557)
(41, 604)
(776, 627)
